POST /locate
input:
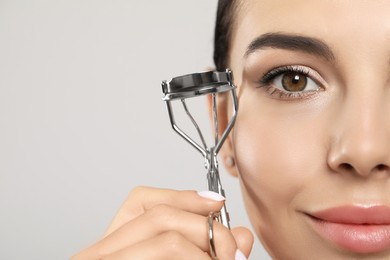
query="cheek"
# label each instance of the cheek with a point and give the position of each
(278, 158)
(273, 157)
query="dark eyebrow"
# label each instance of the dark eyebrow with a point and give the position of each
(291, 42)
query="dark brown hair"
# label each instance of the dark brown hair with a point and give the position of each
(223, 33)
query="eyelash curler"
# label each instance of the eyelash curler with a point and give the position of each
(199, 84)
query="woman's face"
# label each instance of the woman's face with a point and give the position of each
(312, 137)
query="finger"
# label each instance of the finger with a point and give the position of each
(244, 239)
(163, 218)
(144, 198)
(169, 245)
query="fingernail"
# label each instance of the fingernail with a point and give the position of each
(239, 255)
(211, 195)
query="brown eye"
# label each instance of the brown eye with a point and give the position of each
(294, 81)
(290, 82)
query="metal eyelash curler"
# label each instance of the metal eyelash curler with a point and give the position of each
(194, 85)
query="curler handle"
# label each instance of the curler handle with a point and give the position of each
(214, 183)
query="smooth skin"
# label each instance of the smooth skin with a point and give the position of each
(295, 153)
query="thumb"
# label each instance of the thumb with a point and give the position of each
(244, 239)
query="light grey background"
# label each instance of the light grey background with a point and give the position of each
(81, 116)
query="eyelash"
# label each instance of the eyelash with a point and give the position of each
(267, 79)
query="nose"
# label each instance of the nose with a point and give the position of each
(361, 140)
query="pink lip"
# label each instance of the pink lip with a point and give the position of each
(357, 229)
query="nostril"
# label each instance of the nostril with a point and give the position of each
(349, 167)
(382, 167)
(346, 166)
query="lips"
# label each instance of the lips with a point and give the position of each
(356, 229)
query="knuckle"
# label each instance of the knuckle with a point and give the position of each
(173, 241)
(162, 217)
(138, 191)
(161, 212)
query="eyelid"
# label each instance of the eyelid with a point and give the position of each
(309, 72)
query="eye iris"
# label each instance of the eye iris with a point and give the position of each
(294, 81)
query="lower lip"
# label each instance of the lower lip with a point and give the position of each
(354, 237)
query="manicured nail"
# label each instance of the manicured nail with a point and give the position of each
(211, 195)
(239, 255)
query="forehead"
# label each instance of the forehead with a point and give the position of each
(299, 12)
(350, 22)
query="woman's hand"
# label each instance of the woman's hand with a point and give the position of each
(168, 224)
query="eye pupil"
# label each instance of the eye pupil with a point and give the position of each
(294, 81)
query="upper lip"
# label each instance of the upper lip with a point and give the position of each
(355, 215)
